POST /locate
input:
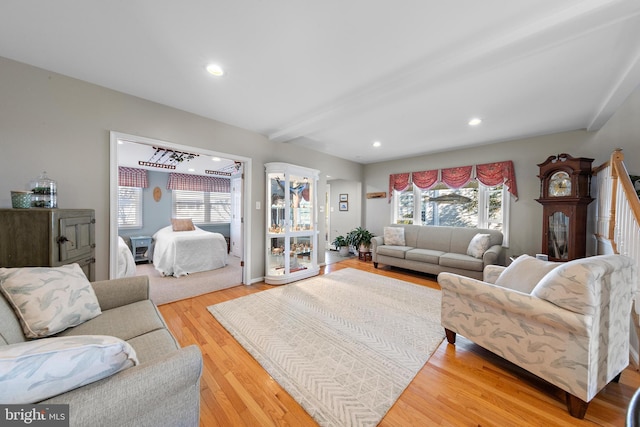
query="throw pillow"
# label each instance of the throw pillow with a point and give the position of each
(394, 236)
(36, 370)
(479, 245)
(524, 273)
(182, 224)
(48, 300)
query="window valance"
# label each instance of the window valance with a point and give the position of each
(398, 182)
(489, 174)
(132, 177)
(207, 184)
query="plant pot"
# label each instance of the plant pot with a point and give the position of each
(343, 251)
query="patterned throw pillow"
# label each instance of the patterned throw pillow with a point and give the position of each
(182, 224)
(479, 245)
(48, 300)
(394, 236)
(36, 370)
(524, 273)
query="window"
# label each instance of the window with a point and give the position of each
(202, 207)
(474, 205)
(129, 207)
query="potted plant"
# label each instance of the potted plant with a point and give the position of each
(360, 239)
(341, 245)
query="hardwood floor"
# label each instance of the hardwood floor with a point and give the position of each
(463, 385)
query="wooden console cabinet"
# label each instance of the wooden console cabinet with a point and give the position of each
(48, 238)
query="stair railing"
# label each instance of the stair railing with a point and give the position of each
(618, 219)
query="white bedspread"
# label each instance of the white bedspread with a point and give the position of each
(177, 253)
(126, 263)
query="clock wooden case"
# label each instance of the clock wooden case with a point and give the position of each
(565, 193)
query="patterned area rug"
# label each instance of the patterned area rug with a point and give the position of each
(344, 345)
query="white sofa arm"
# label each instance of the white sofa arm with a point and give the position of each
(491, 273)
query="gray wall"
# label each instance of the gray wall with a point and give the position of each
(344, 221)
(623, 130)
(59, 124)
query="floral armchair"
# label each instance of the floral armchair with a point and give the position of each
(567, 323)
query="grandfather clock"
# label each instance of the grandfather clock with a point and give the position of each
(565, 183)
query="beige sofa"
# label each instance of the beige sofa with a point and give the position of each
(567, 323)
(162, 390)
(432, 250)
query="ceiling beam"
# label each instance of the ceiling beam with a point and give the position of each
(455, 63)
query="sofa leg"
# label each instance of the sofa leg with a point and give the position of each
(576, 406)
(375, 264)
(451, 336)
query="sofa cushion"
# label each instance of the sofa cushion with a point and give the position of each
(478, 245)
(118, 322)
(524, 273)
(461, 261)
(436, 238)
(572, 285)
(394, 236)
(48, 300)
(153, 345)
(393, 251)
(424, 255)
(36, 370)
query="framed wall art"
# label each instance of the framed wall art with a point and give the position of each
(344, 197)
(344, 206)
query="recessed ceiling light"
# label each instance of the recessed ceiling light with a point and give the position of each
(191, 170)
(215, 69)
(215, 159)
(377, 144)
(475, 121)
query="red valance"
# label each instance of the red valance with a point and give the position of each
(398, 182)
(208, 184)
(425, 179)
(489, 174)
(132, 177)
(457, 177)
(492, 174)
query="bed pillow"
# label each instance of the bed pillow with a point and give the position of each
(524, 273)
(394, 236)
(182, 224)
(36, 370)
(48, 300)
(479, 245)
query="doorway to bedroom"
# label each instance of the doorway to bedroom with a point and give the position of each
(156, 182)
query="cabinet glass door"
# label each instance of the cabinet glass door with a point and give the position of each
(291, 223)
(558, 239)
(277, 202)
(301, 203)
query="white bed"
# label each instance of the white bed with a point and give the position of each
(126, 263)
(177, 253)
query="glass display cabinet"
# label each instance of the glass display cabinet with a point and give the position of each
(292, 225)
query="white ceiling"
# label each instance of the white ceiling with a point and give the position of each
(335, 76)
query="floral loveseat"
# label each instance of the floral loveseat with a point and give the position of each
(566, 323)
(102, 348)
(432, 250)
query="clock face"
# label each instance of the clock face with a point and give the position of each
(560, 184)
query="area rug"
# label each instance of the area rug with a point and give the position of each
(344, 345)
(163, 290)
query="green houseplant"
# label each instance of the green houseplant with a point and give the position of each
(360, 239)
(341, 244)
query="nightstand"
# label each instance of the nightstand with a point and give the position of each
(140, 246)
